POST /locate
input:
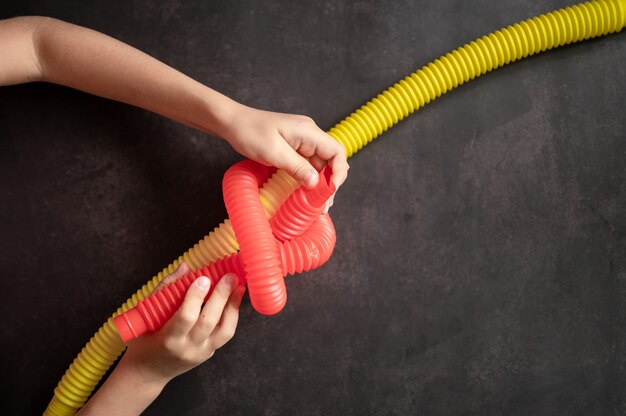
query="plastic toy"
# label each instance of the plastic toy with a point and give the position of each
(299, 238)
(538, 34)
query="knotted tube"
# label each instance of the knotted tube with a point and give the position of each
(520, 40)
(257, 246)
(263, 260)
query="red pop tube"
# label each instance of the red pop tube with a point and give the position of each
(303, 207)
(257, 246)
(299, 238)
(154, 311)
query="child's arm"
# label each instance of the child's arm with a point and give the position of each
(188, 339)
(45, 49)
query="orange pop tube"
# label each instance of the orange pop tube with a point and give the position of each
(307, 238)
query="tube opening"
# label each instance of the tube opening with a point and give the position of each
(318, 196)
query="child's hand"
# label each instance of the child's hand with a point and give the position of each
(290, 142)
(189, 338)
(192, 335)
(44, 49)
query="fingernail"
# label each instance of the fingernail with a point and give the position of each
(230, 280)
(311, 178)
(203, 283)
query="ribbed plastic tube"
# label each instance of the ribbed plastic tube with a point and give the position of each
(538, 34)
(257, 247)
(301, 254)
(527, 38)
(153, 312)
(262, 261)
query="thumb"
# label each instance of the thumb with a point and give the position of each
(297, 166)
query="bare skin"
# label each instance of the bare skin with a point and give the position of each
(45, 49)
(188, 339)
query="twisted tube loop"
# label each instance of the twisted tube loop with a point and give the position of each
(259, 253)
(258, 250)
(520, 40)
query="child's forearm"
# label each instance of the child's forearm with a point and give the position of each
(125, 393)
(77, 57)
(44, 49)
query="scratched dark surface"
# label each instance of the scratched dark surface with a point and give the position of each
(481, 259)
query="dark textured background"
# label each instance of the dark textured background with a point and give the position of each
(480, 266)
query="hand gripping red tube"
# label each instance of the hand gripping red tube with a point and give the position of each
(300, 237)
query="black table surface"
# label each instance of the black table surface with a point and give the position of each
(480, 265)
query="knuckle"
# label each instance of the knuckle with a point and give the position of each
(229, 332)
(187, 316)
(276, 148)
(210, 353)
(171, 346)
(341, 151)
(307, 149)
(305, 119)
(209, 322)
(188, 356)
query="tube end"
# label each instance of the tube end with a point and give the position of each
(130, 325)
(318, 196)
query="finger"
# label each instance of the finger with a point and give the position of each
(213, 308)
(339, 166)
(317, 162)
(182, 270)
(316, 142)
(225, 330)
(329, 203)
(187, 315)
(296, 165)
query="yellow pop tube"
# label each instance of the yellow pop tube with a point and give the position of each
(538, 34)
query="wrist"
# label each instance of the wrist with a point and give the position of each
(221, 114)
(141, 376)
(127, 391)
